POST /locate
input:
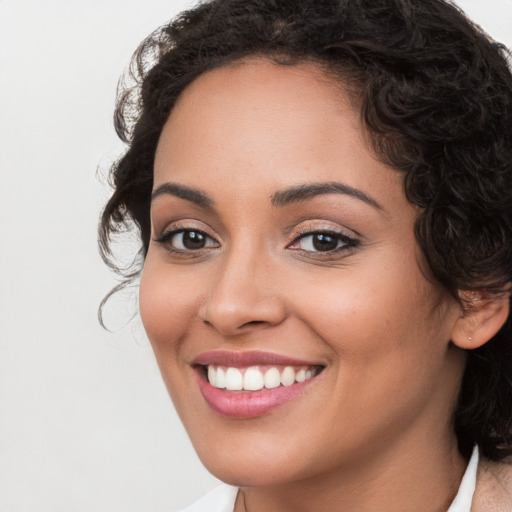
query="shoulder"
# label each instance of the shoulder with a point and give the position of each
(493, 491)
(220, 499)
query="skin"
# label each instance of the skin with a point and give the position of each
(373, 430)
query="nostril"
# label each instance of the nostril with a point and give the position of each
(253, 322)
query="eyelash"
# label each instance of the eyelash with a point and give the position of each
(348, 242)
(166, 238)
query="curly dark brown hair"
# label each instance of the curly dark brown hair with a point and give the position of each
(435, 96)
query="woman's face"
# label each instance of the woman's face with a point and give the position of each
(280, 244)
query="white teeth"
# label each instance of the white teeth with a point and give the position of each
(220, 378)
(253, 379)
(288, 376)
(272, 378)
(300, 376)
(234, 380)
(212, 376)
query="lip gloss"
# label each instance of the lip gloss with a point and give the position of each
(249, 404)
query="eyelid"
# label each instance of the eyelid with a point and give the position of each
(185, 225)
(170, 231)
(321, 226)
(349, 241)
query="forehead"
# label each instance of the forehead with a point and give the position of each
(257, 123)
(263, 80)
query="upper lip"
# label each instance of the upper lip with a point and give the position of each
(249, 358)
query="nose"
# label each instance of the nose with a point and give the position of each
(243, 296)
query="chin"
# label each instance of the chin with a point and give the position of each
(248, 454)
(241, 470)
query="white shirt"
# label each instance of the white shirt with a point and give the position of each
(222, 499)
(462, 502)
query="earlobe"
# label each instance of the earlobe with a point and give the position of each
(483, 318)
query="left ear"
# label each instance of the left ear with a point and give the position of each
(483, 318)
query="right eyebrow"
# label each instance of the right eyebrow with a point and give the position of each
(191, 194)
(310, 190)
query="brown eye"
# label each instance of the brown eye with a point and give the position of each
(323, 242)
(327, 243)
(186, 240)
(320, 242)
(190, 240)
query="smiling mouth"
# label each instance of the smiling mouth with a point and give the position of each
(250, 384)
(257, 378)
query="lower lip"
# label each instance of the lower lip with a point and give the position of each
(249, 404)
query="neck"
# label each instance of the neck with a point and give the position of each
(398, 479)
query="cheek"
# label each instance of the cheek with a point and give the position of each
(380, 321)
(165, 303)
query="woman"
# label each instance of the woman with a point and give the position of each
(323, 193)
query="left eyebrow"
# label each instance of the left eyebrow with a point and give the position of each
(194, 195)
(310, 190)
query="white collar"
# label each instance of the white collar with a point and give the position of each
(462, 502)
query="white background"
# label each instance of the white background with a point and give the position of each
(85, 422)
